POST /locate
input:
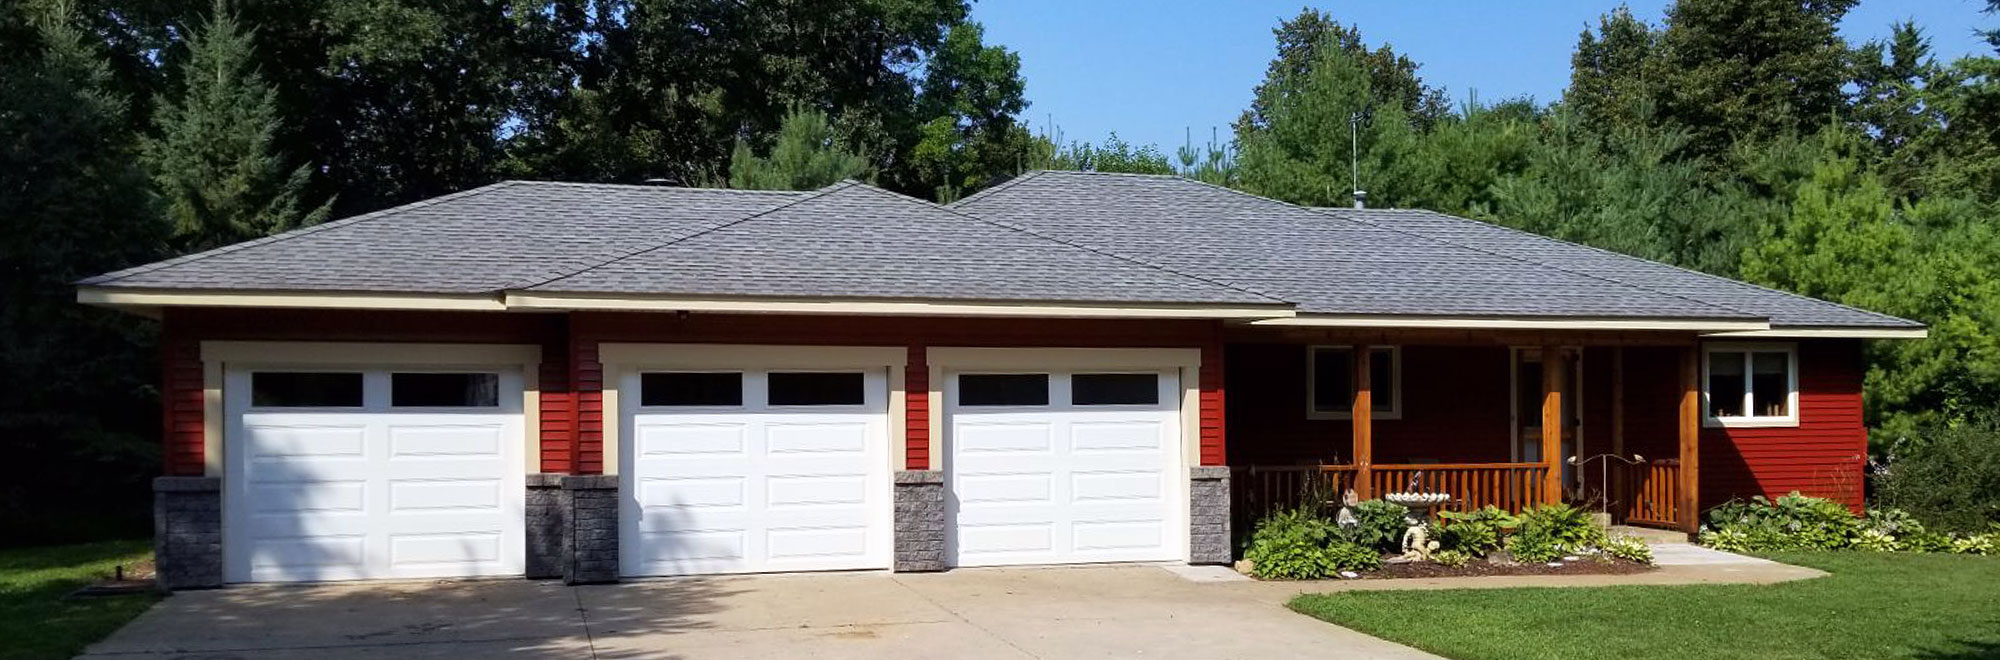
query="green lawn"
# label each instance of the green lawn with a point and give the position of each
(1935, 607)
(36, 621)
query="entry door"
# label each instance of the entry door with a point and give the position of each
(341, 473)
(741, 471)
(1528, 408)
(1064, 467)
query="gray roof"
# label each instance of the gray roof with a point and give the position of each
(1045, 236)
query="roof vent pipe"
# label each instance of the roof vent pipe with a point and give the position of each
(1360, 199)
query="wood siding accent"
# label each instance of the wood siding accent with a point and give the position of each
(181, 405)
(917, 410)
(1214, 402)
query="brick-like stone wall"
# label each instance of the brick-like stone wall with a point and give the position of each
(920, 520)
(1208, 519)
(590, 540)
(546, 519)
(187, 532)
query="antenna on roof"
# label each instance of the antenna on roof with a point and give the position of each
(1354, 158)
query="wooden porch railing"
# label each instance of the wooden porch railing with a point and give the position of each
(1655, 493)
(1261, 489)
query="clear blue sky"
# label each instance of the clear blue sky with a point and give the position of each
(1152, 70)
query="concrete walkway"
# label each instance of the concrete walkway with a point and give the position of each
(1122, 611)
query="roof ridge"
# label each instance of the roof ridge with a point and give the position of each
(808, 195)
(1088, 248)
(646, 186)
(1627, 257)
(1315, 211)
(295, 233)
(1003, 185)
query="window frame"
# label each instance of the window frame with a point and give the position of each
(1748, 350)
(1049, 400)
(499, 398)
(1395, 390)
(250, 404)
(742, 392)
(860, 405)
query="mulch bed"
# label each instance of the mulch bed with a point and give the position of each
(1478, 568)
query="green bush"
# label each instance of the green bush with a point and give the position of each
(1378, 524)
(1452, 558)
(1346, 556)
(1792, 522)
(1534, 544)
(1569, 528)
(1291, 544)
(1629, 548)
(1475, 533)
(1950, 479)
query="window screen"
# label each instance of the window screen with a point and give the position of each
(1114, 389)
(1003, 390)
(1333, 379)
(1770, 384)
(691, 388)
(1725, 384)
(817, 389)
(414, 390)
(297, 389)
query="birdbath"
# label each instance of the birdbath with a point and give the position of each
(1417, 506)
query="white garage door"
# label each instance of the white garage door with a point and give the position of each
(1057, 467)
(753, 471)
(373, 472)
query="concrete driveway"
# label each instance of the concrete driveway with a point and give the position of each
(1082, 612)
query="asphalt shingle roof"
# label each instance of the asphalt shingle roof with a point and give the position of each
(1325, 263)
(1045, 236)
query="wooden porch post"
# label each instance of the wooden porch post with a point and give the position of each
(1552, 422)
(1364, 422)
(1690, 439)
(1621, 473)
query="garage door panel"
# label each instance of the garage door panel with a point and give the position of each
(837, 437)
(816, 490)
(1117, 436)
(813, 543)
(1119, 485)
(374, 491)
(1002, 539)
(724, 492)
(665, 439)
(1004, 436)
(1119, 535)
(976, 489)
(718, 546)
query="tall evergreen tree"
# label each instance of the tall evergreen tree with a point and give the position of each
(215, 162)
(806, 155)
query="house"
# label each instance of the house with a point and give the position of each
(606, 381)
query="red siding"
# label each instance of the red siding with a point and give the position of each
(1824, 455)
(917, 410)
(181, 404)
(1454, 408)
(1214, 450)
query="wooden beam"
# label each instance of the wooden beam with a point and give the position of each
(1552, 422)
(1620, 472)
(1364, 421)
(1690, 440)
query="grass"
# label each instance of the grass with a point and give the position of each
(1932, 607)
(37, 621)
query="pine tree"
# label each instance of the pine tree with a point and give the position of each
(215, 162)
(806, 155)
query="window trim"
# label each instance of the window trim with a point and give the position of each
(1395, 390)
(1788, 420)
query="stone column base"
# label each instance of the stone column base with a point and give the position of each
(187, 532)
(590, 543)
(546, 520)
(1208, 519)
(919, 521)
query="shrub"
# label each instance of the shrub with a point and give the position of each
(1535, 544)
(1629, 548)
(1792, 522)
(1452, 558)
(1569, 528)
(1346, 556)
(1728, 539)
(1977, 544)
(1949, 479)
(1291, 544)
(1475, 533)
(1378, 524)
(1872, 540)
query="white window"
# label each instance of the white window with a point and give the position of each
(1330, 382)
(1750, 385)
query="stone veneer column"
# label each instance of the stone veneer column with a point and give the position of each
(590, 540)
(919, 521)
(1208, 519)
(546, 519)
(187, 532)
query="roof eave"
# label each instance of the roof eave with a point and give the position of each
(1699, 325)
(1797, 332)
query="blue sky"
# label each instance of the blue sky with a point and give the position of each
(1153, 70)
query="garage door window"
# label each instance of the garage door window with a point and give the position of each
(422, 390)
(689, 388)
(816, 389)
(305, 389)
(1114, 389)
(1003, 390)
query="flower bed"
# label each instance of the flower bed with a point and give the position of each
(1366, 541)
(1797, 522)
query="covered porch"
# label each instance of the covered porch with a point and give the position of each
(1512, 419)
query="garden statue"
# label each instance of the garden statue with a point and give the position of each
(1417, 543)
(1345, 518)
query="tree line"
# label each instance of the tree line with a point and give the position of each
(1744, 138)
